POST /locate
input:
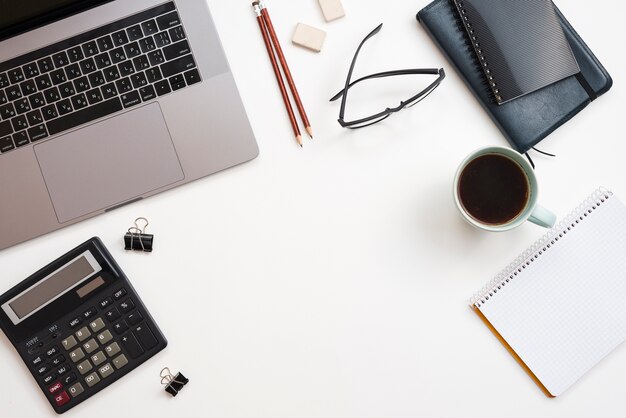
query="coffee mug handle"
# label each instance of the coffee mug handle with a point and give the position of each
(542, 217)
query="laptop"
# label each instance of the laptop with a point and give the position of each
(104, 103)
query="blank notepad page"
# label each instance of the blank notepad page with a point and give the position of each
(562, 305)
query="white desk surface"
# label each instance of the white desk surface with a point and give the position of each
(333, 281)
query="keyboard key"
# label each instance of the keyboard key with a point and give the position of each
(149, 27)
(120, 327)
(34, 117)
(111, 74)
(105, 337)
(85, 115)
(90, 49)
(96, 325)
(145, 336)
(72, 71)
(55, 387)
(127, 306)
(162, 87)
(88, 66)
(67, 89)
(177, 82)
(82, 334)
(16, 75)
(28, 87)
(64, 107)
(77, 355)
(81, 84)
(75, 322)
(120, 38)
(108, 91)
(69, 342)
(94, 96)
(120, 361)
(68, 379)
(3, 97)
(84, 366)
(156, 58)
(49, 379)
(20, 139)
(76, 390)
(178, 66)
(153, 74)
(124, 85)
(14, 92)
(4, 80)
(168, 21)
(192, 77)
(176, 50)
(130, 99)
(57, 361)
(106, 371)
(103, 60)
(37, 132)
(49, 112)
(147, 44)
(126, 68)
(92, 379)
(132, 50)
(52, 95)
(98, 358)
(60, 59)
(112, 315)
(19, 123)
(147, 93)
(37, 360)
(162, 39)
(90, 346)
(112, 349)
(58, 76)
(177, 34)
(139, 80)
(6, 128)
(105, 303)
(134, 33)
(75, 54)
(43, 369)
(62, 398)
(6, 144)
(119, 294)
(141, 63)
(117, 55)
(79, 101)
(105, 43)
(63, 369)
(89, 313)
(22, 106)
(131, 345)
(134, 318)
(97, 79)
(7, 111)
(30, 70)
(37, 100)
(45, 65)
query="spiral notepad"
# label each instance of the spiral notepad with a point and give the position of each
(560, 307)
(520, 45)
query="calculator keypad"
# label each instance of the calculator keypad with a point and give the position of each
(99, 344)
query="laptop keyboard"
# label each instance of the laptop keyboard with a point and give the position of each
(93, 75)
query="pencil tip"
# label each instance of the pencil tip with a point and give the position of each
(309, 131)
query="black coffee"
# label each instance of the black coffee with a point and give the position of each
(493, 189)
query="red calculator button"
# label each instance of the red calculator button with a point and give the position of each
(62, 399)
(57, 386)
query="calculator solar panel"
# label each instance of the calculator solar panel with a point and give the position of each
(79, 325)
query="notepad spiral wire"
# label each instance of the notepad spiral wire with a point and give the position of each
(541, 246)
(475, 44)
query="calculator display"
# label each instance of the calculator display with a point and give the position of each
(51, 287)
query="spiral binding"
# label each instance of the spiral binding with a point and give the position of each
(541, 246)
(475, 43)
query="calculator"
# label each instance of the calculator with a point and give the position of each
(79, 325)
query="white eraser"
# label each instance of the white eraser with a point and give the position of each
(332, 9)
(309, 37)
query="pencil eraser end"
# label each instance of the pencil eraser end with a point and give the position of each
(309, 37)
(332, 9)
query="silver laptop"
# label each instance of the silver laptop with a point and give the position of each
(103, 103)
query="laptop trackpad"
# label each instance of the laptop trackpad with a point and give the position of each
(109, 163)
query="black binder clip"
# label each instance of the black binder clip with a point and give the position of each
(137, 239)
(173, 384)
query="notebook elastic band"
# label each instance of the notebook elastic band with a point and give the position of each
(585, 84)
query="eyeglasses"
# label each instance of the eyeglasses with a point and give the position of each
(378, 117)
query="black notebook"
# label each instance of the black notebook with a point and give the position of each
(528, 119)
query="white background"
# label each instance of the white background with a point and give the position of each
(333, 281)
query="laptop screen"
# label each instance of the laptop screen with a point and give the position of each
(18, 16)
